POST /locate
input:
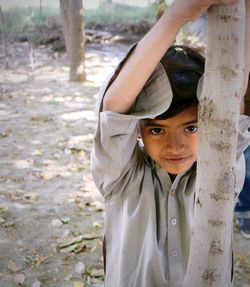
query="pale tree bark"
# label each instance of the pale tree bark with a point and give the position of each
(73, 28)
(4, 39)
(218, 125)
(40, 8)
(64, 8)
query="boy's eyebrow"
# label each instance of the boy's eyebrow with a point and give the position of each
(152, 123)
(195, 121)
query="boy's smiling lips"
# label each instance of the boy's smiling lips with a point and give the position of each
(176, 159)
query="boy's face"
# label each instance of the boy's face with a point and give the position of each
(172, 143)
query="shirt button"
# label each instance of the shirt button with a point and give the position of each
(173, 221)
(172, 191)
(174, 252)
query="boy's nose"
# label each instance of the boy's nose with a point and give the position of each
(175, 143)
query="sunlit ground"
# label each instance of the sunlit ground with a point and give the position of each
(50, 209)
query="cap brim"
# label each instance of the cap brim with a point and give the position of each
(156, 95)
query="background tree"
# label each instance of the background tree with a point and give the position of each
(4, 38)
(73, 28)
(109, 6)
(218, 125)
(40, 8)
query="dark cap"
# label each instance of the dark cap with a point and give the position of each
(173, 84)
(184, 67)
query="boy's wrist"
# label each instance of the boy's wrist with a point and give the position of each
(176, 16)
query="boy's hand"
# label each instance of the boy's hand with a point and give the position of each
(190, 10)
(122, 93)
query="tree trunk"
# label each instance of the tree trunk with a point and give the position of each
(218, 126)
(4, 39)
(73, 28)
(40, 8)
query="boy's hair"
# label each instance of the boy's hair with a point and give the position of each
(247, 98)
(184, 67)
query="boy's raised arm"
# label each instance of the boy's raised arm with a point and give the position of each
(123, 91)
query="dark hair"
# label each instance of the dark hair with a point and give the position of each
(184, 67)
(247, 98)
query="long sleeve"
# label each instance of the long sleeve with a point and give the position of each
(116, 151)
(242, 143)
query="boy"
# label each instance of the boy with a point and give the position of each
(149, 190)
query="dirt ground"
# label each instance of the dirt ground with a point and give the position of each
(51, 215)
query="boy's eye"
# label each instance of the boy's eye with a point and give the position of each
(191, 129)
(156, 131)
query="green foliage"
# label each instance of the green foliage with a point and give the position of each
(20, 19)
(120, 13)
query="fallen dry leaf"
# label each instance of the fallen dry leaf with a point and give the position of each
(65, 220)
(64, 242)
(97, 273)
(5, 133)
(2, 220)
(78, 284)
(76, 247)
(31, 197)
(90, 236)
(47, 176)
(35, 260)
(13, 267)
(3, 274)
(3, 209)
(68, 277)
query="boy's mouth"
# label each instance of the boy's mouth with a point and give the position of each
(177, 160)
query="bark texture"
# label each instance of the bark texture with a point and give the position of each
(40, 8)
(218, 126)
(73, 28)
(4, 38)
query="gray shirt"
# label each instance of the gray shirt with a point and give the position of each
(149, 218)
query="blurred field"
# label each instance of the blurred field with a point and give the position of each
(20, 19)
